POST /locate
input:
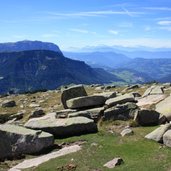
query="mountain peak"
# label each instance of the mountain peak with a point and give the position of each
(28, 45)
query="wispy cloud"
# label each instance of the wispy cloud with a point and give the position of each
(82, 31)
(147, 28)
(167, 28)
(49, 35)
(95, 13)
(158, 8)
(164, 22)
(115, 32)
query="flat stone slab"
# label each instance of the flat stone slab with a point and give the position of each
(120, 100)
(63, 127)
(113, 163)
(29, 163)
(167, 138)
(86, 102)
(16, 140)
(150, 100)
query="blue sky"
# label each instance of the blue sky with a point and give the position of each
(79, 23)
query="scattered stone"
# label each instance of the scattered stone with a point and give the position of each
(113, 163)
(86, 102)
(8, 103)
(17, 140)
(72, 92)
(164, 107)
(63, 127)
(147, 117)
(157, 134)
(127, 132)
(120, 100)
(64, 113)
(33, 105)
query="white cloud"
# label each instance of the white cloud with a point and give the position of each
(167, 28)
(82, 31)
(94, 13)
(147, 28)
(115, 32)
(164, 22)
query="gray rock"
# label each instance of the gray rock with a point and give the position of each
(120, 100)
(72, 92)
(80, 113)
(33, 105)
(63, 127)
(86, 102)
(8, 103)
(147, 117)
(120, 112)
(113, 163)
(17, 140)
(127, 132)
(167, 138)
(157, 134)
(164, 107)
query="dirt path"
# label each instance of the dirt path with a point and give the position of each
(39, 160)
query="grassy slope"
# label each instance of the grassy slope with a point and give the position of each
(138, 153)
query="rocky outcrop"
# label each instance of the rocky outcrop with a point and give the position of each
(154, 90)
(8, 103)
(120, 100)
(86, 102)
(167, 138)
(72, 92)
(17, 140)
(63, 127)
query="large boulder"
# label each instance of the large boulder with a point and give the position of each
(86, 102)
(17, 140)
(164, 107)
(120, 112)
(157, 134)
(167, 138)
(120, 100)
(63, 127)
(147, 117)
(72, 92)
(107, 95)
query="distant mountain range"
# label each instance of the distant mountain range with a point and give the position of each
(35, 65)
(41, 69)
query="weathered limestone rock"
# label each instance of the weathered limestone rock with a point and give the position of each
(17, 140)
(167, 138)
(120, 100)
(63, 127)
(157, 134)
(86, 102)
(147, 117)
(113, 163)
(72, 92)
(8, 103)
(164, 107)
(64, 113)
(80, 113)
(120, 112)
